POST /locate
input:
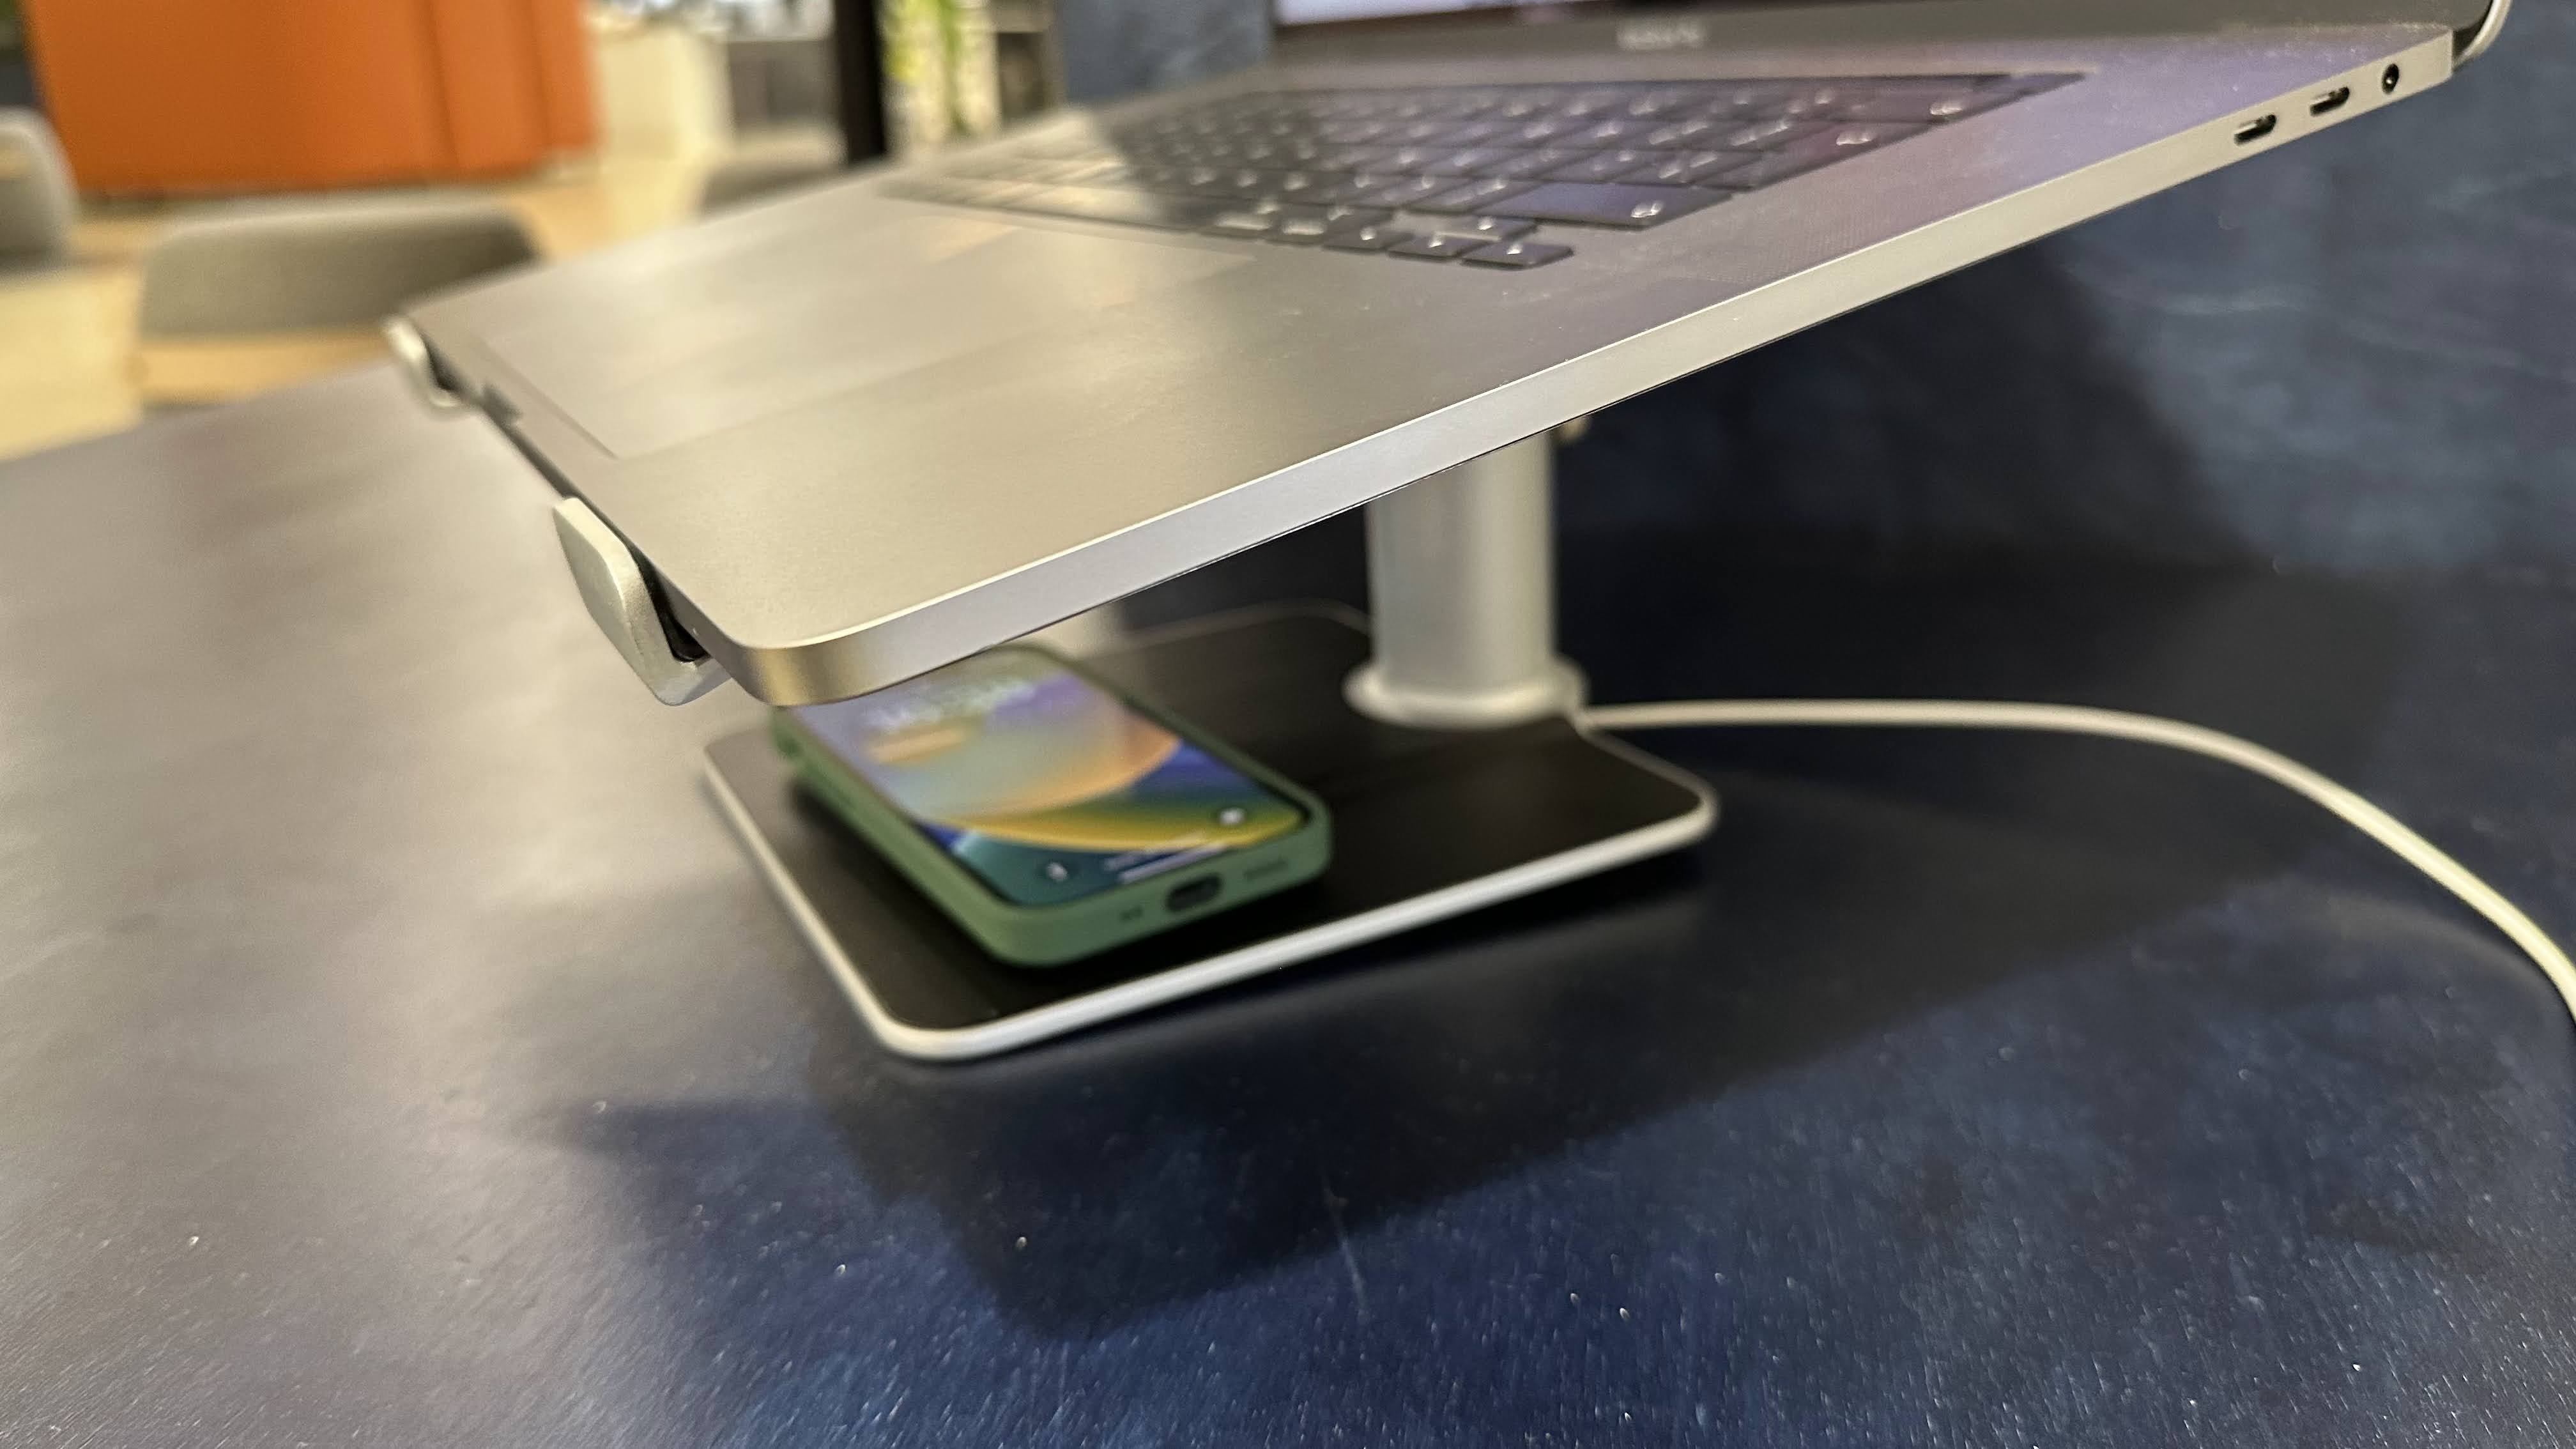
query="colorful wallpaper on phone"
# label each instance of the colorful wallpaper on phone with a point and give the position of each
(1046, 786)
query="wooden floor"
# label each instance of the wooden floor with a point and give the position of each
(67, 332)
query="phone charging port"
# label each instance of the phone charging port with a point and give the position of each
(2256, 129)
(1190, 895)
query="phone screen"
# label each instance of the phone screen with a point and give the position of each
(1047, 787)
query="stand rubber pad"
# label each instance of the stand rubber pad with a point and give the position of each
(1426, 824)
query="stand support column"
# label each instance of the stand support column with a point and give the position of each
(1462, 590)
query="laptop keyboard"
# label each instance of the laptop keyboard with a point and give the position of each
(1510, 177)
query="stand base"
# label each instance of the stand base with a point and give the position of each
(1426, 824)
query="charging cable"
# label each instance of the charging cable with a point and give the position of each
(2067, 719)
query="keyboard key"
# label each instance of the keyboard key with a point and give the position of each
(1680, 135)
(1353, 158)
(1872, 133)
(1469, 133)
(1439, 248)
(1613, 204)
(1812, 100)
(1451, 161)
(1303, 225)
(1618, 131)
(1520, 165)
(1542, 132)
(1491, 228)
(1607, 166)
(1658, 105)
(1691, 168)
(1406, 192)
(1735, 99)
(1474, 196)
(1489, 162)
(1517, 255)
(1471, 161)
(1366, 238)
(1800, 157)
(1476, 101)
(1303, 229)
(1761, 135)
(1412, 160)
(1341, 190)
(1923, 105)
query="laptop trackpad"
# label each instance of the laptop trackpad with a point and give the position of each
(657, 348)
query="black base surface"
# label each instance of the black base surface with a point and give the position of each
(1415, 813)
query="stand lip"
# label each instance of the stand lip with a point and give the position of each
(1129, 997)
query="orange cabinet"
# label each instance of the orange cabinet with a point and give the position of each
(242, 95)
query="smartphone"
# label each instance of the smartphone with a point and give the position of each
(1049, 816)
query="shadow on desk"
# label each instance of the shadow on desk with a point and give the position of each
(1856, 885)
(1187, 1153)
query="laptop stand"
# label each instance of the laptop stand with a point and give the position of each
(1442, 743)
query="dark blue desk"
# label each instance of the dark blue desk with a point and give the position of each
(395, 1050)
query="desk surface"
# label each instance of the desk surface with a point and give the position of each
(396, 1050)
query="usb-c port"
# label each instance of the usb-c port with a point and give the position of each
(2256, 129)
(1196, 893)
(2331, 101)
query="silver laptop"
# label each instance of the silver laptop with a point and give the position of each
(825, 443)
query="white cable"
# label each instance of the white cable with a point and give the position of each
(2068, 719)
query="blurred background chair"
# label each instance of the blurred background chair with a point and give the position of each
(36, 204)
(779, 162)
(251, 296)
(161, 96)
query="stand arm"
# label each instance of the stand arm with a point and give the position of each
(1462, 587)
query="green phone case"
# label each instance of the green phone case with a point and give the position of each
(1056, 934)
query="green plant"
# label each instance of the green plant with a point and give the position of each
(939, 63)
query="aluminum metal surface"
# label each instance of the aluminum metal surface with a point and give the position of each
(1462, 588)
(911, 431)
(620, 601)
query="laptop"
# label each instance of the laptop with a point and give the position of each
(828, 442)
